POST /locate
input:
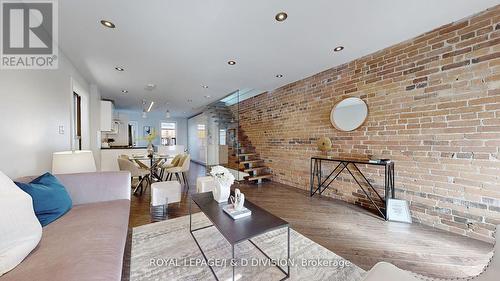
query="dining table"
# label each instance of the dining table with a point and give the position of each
(153, 160)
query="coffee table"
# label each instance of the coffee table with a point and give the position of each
(240, 230)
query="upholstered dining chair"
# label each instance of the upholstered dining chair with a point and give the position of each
(384, 271)
(135, 172)
(173, 163)
(181, 170)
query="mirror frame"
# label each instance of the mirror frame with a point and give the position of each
(335, 107)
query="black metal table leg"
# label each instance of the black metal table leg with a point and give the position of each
(311, 177)
(233, 261)
(288, 253)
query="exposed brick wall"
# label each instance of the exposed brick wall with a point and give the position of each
(434, 108)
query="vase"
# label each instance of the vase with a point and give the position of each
(150, 149)
(221, 192)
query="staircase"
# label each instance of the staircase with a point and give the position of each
(242, 155)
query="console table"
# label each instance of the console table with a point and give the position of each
(316, 175)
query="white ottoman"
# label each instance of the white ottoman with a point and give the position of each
(162, 194)
(205, 184)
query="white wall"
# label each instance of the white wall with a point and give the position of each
(198, 139)
(154, 119)
(95, 124)
(33, 104)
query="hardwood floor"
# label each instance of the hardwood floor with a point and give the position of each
(349, 231)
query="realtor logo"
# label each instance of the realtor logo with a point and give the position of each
(29, 32)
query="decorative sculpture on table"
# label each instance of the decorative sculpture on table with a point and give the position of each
(238, 200)
(223, 181)
(324, 144)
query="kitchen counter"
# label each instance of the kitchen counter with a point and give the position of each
(109, 156)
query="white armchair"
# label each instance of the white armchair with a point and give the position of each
(384, 271)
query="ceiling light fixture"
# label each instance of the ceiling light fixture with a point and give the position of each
(281, 16)
(150, 87)
(204, 86)
(124, 91)
(231, 62)
(119, 68)
(207, 96)
(108, 24)
(338, 49)
(150, 106)
(279, 75)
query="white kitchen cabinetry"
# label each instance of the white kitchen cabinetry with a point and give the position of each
(106, 116)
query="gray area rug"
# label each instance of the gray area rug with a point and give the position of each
(167, 251)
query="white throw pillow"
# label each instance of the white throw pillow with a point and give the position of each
(20, 230)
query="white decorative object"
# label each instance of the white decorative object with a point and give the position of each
(349, 114)
(205, 184)
(238, 200)
(70, 162)
(397, 210)
(223, 181)
(20, 230)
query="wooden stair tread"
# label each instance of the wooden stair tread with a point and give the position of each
(251, 161)
(259, 177)
(254, 169)
(246, 154)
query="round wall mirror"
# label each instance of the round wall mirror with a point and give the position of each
(349, 114)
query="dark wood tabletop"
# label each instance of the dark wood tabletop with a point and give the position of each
(236, 231)
(354, 160)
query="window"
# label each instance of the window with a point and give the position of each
(168, 133)
(222, 137)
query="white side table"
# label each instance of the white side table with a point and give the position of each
(205, 184)
(162, 194)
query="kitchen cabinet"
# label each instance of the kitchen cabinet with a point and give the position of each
(106, 116)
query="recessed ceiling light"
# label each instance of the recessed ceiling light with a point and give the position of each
(338, 49)
(204, 86)
(150, 87)
(207, 96)
(231, 62)
(108, 24)
(279, 75)
(124, 91)
(281, 16)
(119, 68)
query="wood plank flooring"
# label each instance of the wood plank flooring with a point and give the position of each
(349, 231)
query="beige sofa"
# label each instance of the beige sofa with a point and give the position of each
(88, 242)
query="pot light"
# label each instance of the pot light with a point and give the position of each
(338, 49)
(150, 106)
(231, 62)
(207, 96)
(124, 91)
(279, 75)
(281, 16)
(108, 24)
(118, 68)
(204, 86)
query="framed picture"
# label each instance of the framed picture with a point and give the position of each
(397, 210)
(147, 130)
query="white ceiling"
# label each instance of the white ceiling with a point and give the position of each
(180, 45)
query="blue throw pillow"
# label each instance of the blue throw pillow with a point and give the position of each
(50, 198)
